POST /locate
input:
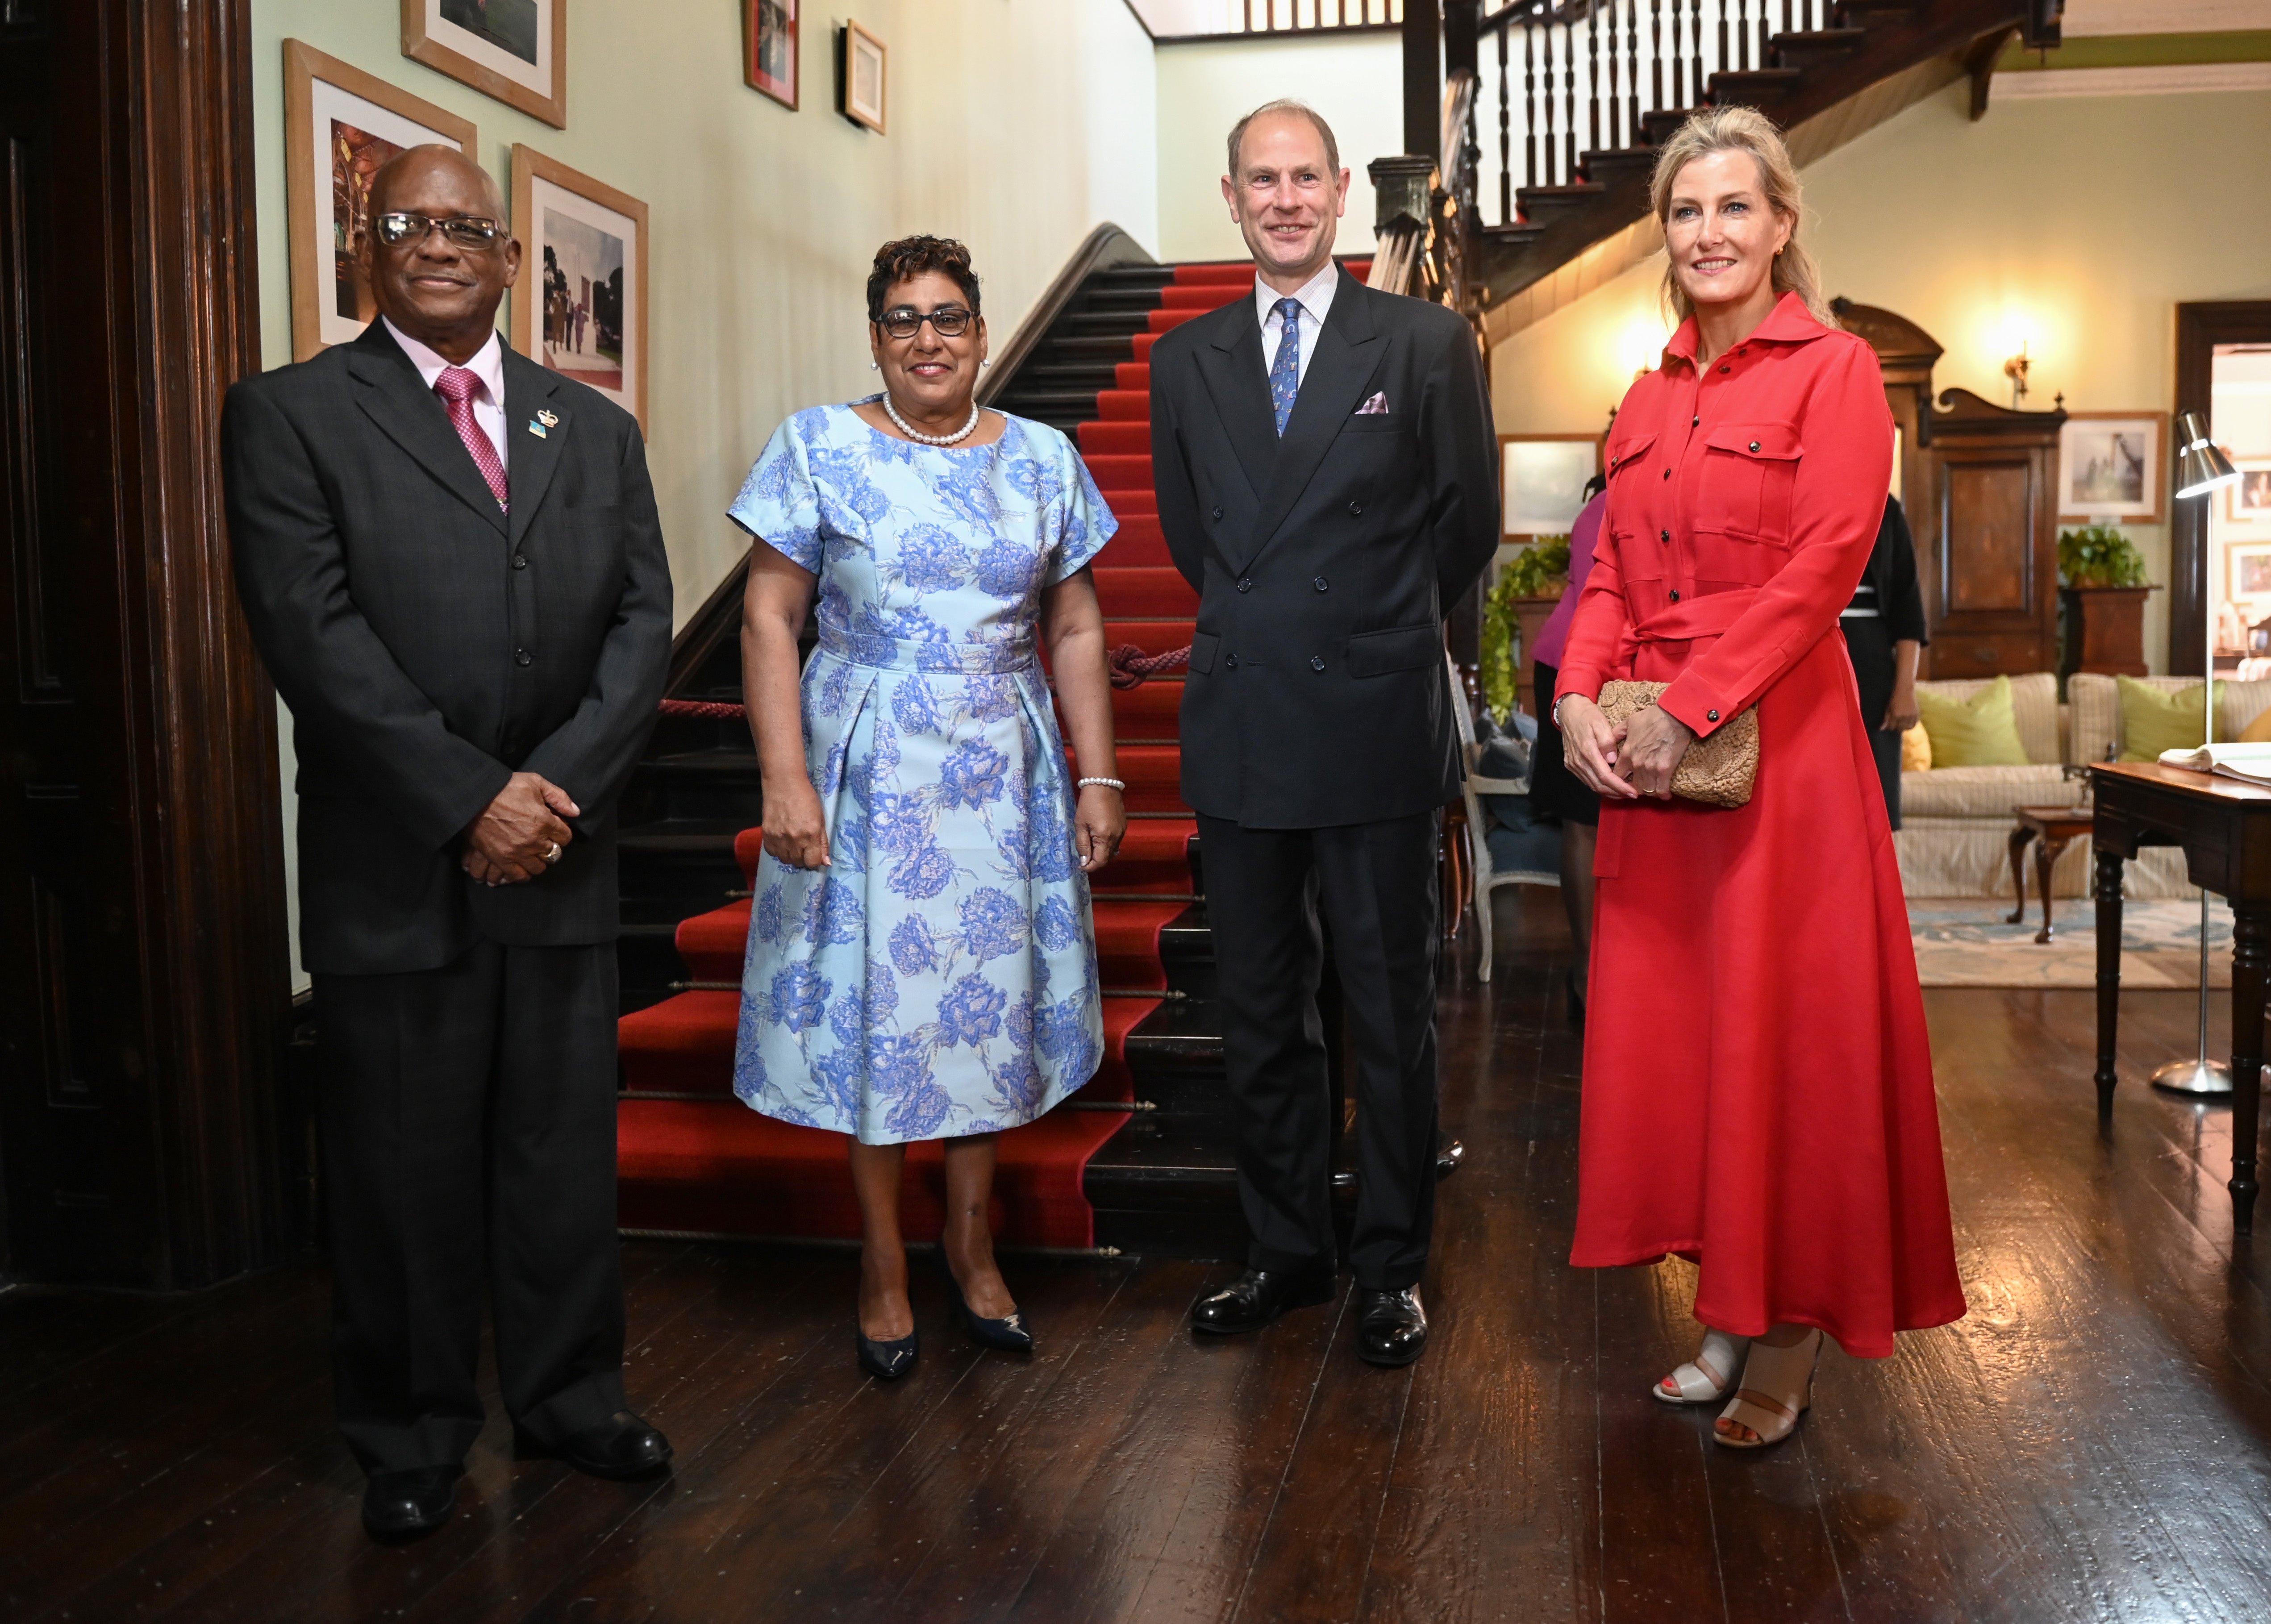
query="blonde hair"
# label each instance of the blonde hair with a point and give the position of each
(1742, 129)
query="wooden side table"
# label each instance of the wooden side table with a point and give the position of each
(2050, 829)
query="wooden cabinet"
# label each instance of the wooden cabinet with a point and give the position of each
(1987, 538)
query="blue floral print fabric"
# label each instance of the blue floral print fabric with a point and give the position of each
(939, 978)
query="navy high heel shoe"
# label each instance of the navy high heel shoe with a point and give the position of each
(1008, 1333)
(888, 1361)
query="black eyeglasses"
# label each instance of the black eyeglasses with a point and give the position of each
(465, 230)
(951, 322)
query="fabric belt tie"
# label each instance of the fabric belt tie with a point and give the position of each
(1707, 616)
(456, 386)
(861, 648)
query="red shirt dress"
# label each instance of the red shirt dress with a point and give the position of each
(1758, 1091)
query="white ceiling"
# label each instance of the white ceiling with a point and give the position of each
(2085, 18)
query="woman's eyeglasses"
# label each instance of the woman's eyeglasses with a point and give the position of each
(465, 230)
(951, 322)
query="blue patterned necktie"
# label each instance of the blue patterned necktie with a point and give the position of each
(1285, 370)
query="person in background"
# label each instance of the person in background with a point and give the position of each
(1885, 634)
(1555, 792)
(451, 563)
(922, 959)
(1757, 1087)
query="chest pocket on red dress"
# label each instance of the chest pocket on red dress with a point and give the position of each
(1629, 496)
(1745, 488)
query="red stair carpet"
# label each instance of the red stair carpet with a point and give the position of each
(693, 1159)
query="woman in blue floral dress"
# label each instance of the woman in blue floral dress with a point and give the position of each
(921, 960)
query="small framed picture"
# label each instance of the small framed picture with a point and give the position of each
(770, 45)
(2247, 570)
(2110, 468)
(1542, 478)
(580, 307)
(515, 51)
(860, 77)
(2249, 501)
(341, 126)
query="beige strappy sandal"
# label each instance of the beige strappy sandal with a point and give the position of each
(1705, 1378)
(1777, 1388)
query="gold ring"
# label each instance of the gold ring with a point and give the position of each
(552, 856)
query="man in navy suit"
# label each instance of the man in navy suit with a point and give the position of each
(1328, 480)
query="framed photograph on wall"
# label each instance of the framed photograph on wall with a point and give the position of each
(770, 45)
(2110, 468)
(1542, 478)
(860, 77)
(340, 124)
(2247, 570)
(2249, 501)
(515, 51)
(580, 307)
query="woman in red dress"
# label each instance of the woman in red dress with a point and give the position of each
(1758, 1091)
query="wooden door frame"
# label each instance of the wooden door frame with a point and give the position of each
(2200, 329)
(163, 742)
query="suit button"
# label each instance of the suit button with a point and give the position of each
(1319, 583)
(1246, 584)
(522, 657)
(1710, 716)
(1725, 368)
(1754, 446)
(1230, 662)
(1695, 422)
(520, 561)
(1667, 473)
(1356, 510)
(1675, 595)
(1217, 512)
(1664, 535)
(1316, 662)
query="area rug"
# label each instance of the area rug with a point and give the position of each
(1962, 941)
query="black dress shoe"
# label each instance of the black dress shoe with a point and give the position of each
(1008, 1333)
(888, 1361)
(1259, 1296)
(1450, 1153)
(1391, 1327)
(622, 1447)
(404, 1505)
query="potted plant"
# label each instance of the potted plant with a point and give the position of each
(2102, 588)
(1519, 601)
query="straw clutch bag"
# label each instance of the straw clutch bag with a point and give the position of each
(1718, 772)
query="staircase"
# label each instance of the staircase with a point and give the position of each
(1140, 1160)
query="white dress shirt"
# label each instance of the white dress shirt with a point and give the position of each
(1316, 297)
(487, 400)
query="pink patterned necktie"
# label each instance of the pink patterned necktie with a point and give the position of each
(456, 386)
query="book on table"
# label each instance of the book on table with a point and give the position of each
(2251, 764)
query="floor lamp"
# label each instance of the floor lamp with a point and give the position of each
(2200, 468)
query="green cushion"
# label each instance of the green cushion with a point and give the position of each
(1979, 732)
(2153, 721)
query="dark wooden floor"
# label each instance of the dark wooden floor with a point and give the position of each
(2093, 1442)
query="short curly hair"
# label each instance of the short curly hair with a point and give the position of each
(911, 257)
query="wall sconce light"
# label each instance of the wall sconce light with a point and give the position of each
(2015, 369)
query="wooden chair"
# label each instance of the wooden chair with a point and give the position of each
(1477, 853)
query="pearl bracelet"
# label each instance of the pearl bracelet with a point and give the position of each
(1107, 783)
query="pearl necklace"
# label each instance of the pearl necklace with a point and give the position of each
(960, 433)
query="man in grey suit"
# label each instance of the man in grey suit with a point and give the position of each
(451, 563)
(1328, 480)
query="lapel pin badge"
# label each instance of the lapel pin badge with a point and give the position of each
(536, 428)
(549, 418)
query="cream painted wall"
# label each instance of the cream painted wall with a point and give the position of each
(1017, 126)
(2054, 221)
(1355, 82)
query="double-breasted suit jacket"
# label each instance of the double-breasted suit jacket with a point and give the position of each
(1324, 560)
(430, 645)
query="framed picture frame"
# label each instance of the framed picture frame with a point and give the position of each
(2113, 467)
(2247, 571)
(769, 50)
(580, 307)
(340, 124)
(1542, 480)
(861, 85)
(515, 51)
(2249, 501)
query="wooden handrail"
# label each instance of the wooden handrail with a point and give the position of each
(1104, 248)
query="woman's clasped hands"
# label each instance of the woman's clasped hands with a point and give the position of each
(1623, 763)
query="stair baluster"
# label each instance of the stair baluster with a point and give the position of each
(1656, 47)
(1505, 139)
(1545, 176)
(1529, 105)
(1616, 100)
(1593, 73)
(1695, 44)
(1569, 100)
(1632, 71)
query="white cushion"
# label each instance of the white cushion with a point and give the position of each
(1985, 791)
(2034, 707)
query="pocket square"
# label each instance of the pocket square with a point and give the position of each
(1377, 406)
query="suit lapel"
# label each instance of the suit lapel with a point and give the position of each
(1348, 353)
(1239, 383)
(409, 415)
(530, 389)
